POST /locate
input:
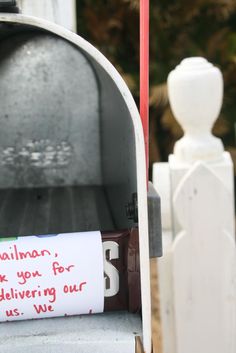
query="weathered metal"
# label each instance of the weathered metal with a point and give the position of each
(69, 120)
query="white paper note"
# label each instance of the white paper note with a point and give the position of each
(46, 276)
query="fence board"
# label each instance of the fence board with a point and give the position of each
(61, 12)
(203, 262)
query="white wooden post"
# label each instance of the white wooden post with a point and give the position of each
(61, 12)
(161, 181)
(197, 272)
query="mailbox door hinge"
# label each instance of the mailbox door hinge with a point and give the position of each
(154, 219)
(132, 209)
(154, 222)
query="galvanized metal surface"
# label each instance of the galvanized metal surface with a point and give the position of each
(118, 145)
(49, 115)
(53, 210)
(103, 333)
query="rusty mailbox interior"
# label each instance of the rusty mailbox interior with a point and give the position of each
(67, 145)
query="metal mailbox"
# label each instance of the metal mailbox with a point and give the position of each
(72, 159)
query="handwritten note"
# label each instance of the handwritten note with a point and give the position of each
(46, 276)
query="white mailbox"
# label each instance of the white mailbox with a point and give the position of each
(72, 159)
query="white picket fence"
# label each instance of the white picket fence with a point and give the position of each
(61, 12)
(197, 274)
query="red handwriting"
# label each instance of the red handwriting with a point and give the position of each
(29, 288)
(57, 268)
(16, 254)
(12, 313)
(3, 279)
(74, 288)
(13, 294)
(43, 308)
(25, 275)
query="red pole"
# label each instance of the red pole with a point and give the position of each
(144, 74)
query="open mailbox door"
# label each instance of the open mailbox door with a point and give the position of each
(72, 158)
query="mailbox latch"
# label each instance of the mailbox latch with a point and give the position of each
(132, 209)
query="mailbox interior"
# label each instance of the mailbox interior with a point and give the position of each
(70, 160)
(67, 144)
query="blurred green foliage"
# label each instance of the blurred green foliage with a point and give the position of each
(178, 29)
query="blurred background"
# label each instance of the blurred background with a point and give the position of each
(178, 29)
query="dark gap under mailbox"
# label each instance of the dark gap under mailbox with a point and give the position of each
(72, 156)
